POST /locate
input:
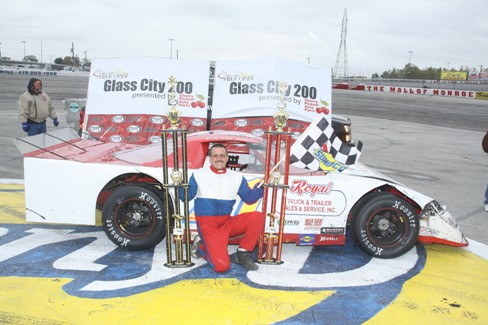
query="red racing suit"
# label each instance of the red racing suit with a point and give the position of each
(215, 193)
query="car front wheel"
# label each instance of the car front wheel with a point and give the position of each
(385, 226)
(133, 217)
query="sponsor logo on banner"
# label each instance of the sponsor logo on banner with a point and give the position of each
(241, 123)
(117, 74)
(243, 76)
(134, 129)
(220, 123)
(150, 130)
(197, 122)
(157, 119)
(258, 132)
(116, 138)
(154, 139)
(118, 119)
(134, 139)
(95, 128)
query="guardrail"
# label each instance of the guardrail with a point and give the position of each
(415, 91)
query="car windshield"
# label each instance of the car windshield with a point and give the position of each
(251, 158)
(247, 157)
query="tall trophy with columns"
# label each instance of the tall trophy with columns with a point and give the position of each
(177, 219)
(275, 185)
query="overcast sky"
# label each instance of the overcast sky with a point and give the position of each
(381, 34)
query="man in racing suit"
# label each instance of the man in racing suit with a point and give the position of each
(215, 190)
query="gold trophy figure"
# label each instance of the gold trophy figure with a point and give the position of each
(281, 117)
(272, 236)
(180, 217)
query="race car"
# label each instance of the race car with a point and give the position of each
(125, 183)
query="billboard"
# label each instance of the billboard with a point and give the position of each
(454, 75)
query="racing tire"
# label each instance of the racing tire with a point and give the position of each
(385, 226)
(133, 217)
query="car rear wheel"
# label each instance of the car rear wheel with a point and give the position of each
(385, 226)
(133, 217)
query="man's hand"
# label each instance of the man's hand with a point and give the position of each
(55, 122)
(25, 127)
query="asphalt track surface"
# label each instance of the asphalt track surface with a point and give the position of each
(54, 274)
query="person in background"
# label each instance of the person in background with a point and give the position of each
(82, 120)
(215, 189)
(35, 106)
(484, 144)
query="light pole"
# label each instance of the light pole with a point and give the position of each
(410, 57)
(24, 50)
(0, 51)
(308, 60)
(171, 48)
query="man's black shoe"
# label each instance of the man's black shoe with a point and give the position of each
(245, 260)
(195, 253)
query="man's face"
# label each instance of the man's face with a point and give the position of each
(218, 158)
(37, 86)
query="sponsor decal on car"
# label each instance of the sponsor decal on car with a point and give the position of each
(305, 240)
(332, 230)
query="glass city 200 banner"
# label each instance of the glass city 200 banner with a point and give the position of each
(247, 88)
(128, 98)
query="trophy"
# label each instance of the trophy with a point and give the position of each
(173, 113)
(281, 117)
(273, 236)
(175, 220)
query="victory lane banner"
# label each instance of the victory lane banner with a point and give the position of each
(128, 98)
(247, 88)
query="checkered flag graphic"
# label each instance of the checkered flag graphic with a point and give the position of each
(318, 133)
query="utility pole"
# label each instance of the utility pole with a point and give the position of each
(171, 40)
(73, 53)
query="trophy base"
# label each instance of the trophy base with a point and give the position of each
(175, 265)
(270, 262)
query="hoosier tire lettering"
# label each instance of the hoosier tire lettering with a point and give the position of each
(133, 217)
(384, 225)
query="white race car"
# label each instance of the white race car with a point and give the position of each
(69, 179)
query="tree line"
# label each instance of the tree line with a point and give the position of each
(411, 71)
